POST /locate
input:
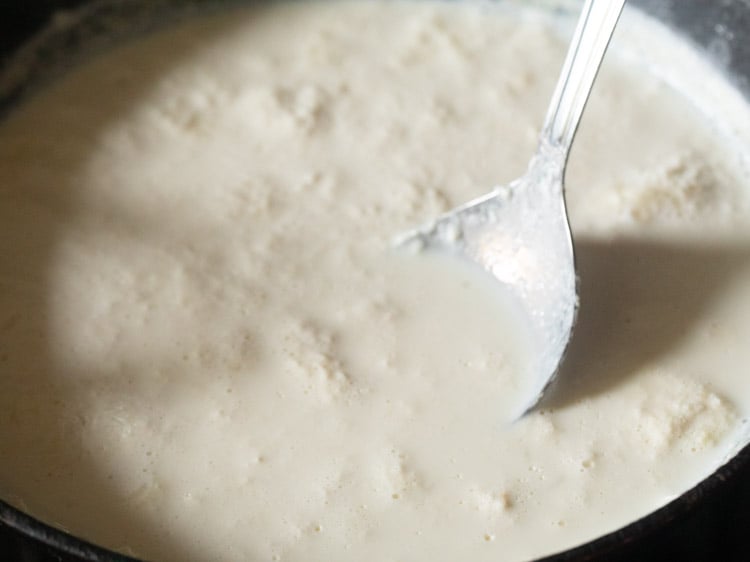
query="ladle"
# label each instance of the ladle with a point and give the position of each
(519, 233)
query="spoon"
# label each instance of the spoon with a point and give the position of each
(519, 233)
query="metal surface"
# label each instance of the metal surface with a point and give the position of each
(519, 233)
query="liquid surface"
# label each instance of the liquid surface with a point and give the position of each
(210, 352)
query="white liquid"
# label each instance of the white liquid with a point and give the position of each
(210, 353)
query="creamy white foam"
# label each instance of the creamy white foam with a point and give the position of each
(210, 352)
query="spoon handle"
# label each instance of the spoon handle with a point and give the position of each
(593, 31)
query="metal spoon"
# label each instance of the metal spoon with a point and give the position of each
(519, 233)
